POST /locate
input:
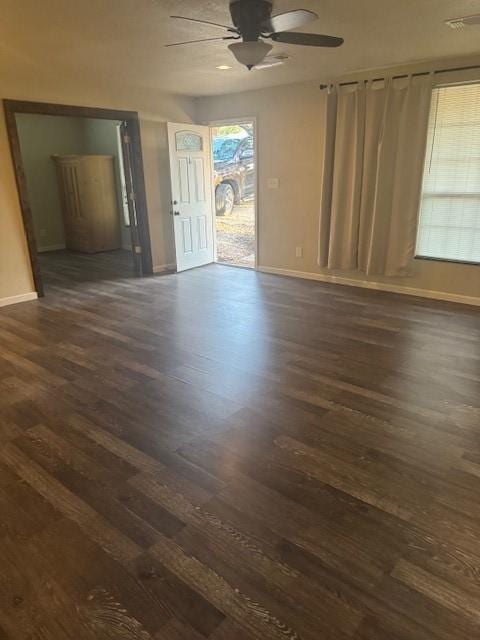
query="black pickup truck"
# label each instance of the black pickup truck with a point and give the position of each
(234, 171)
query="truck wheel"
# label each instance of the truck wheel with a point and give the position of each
(224, 199)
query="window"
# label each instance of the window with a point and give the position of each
(449, 223)
(247, 149)
(225, 148)
(123, 181)
(188, 141)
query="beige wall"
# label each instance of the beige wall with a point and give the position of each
(15, 273)
(290, 138)
(157, 180)
(40, 138)
(154, 108)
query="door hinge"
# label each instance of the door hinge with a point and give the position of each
(131, 196)
(126, 138)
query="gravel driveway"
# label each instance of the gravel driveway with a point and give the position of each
(236, 236)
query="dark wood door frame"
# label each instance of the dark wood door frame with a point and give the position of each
(12, 107)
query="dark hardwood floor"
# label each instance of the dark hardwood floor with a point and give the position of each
(230, 455)
(66, 270)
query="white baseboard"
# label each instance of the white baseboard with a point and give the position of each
(23, 297)
(53, 247)
(160, 268)
(379, 286)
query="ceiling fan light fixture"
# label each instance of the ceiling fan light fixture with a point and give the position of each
(250, 53)
(275, 60)
(465, 21)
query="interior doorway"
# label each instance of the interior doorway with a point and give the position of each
(235, 188)
(80, 179)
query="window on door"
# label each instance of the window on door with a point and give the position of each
(449, 223)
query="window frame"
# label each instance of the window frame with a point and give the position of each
(419, 256)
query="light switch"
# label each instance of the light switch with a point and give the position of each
(273, 183)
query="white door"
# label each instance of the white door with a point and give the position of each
(192, 209)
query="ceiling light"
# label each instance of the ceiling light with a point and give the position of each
(459, 23)
(250, 53)
(223, 67)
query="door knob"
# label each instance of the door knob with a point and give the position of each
(176, 213)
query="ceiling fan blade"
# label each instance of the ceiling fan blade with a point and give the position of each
(289, 20)
(307, 39)
(177, 44)
(213, 24)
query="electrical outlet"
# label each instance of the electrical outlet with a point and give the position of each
(273, 183)
(299, 252)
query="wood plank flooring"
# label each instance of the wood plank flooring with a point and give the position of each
(230, 455)
(67, 269)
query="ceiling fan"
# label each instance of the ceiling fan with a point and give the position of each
(253, 23)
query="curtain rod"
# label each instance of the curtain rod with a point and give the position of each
(405, 75)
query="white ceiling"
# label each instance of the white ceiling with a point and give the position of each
(99, 38)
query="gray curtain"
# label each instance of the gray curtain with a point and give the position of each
(375, 139)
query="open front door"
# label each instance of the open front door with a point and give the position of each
(192, 209)
(130, 198)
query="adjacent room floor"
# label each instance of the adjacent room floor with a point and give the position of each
(231, 455)
(65, 270)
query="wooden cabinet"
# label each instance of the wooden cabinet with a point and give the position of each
(89, 202)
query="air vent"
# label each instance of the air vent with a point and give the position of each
(273, 61)
(466, 21)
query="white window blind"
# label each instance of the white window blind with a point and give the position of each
(449, 224)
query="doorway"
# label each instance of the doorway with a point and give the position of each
(234, 154)
(80, 179)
